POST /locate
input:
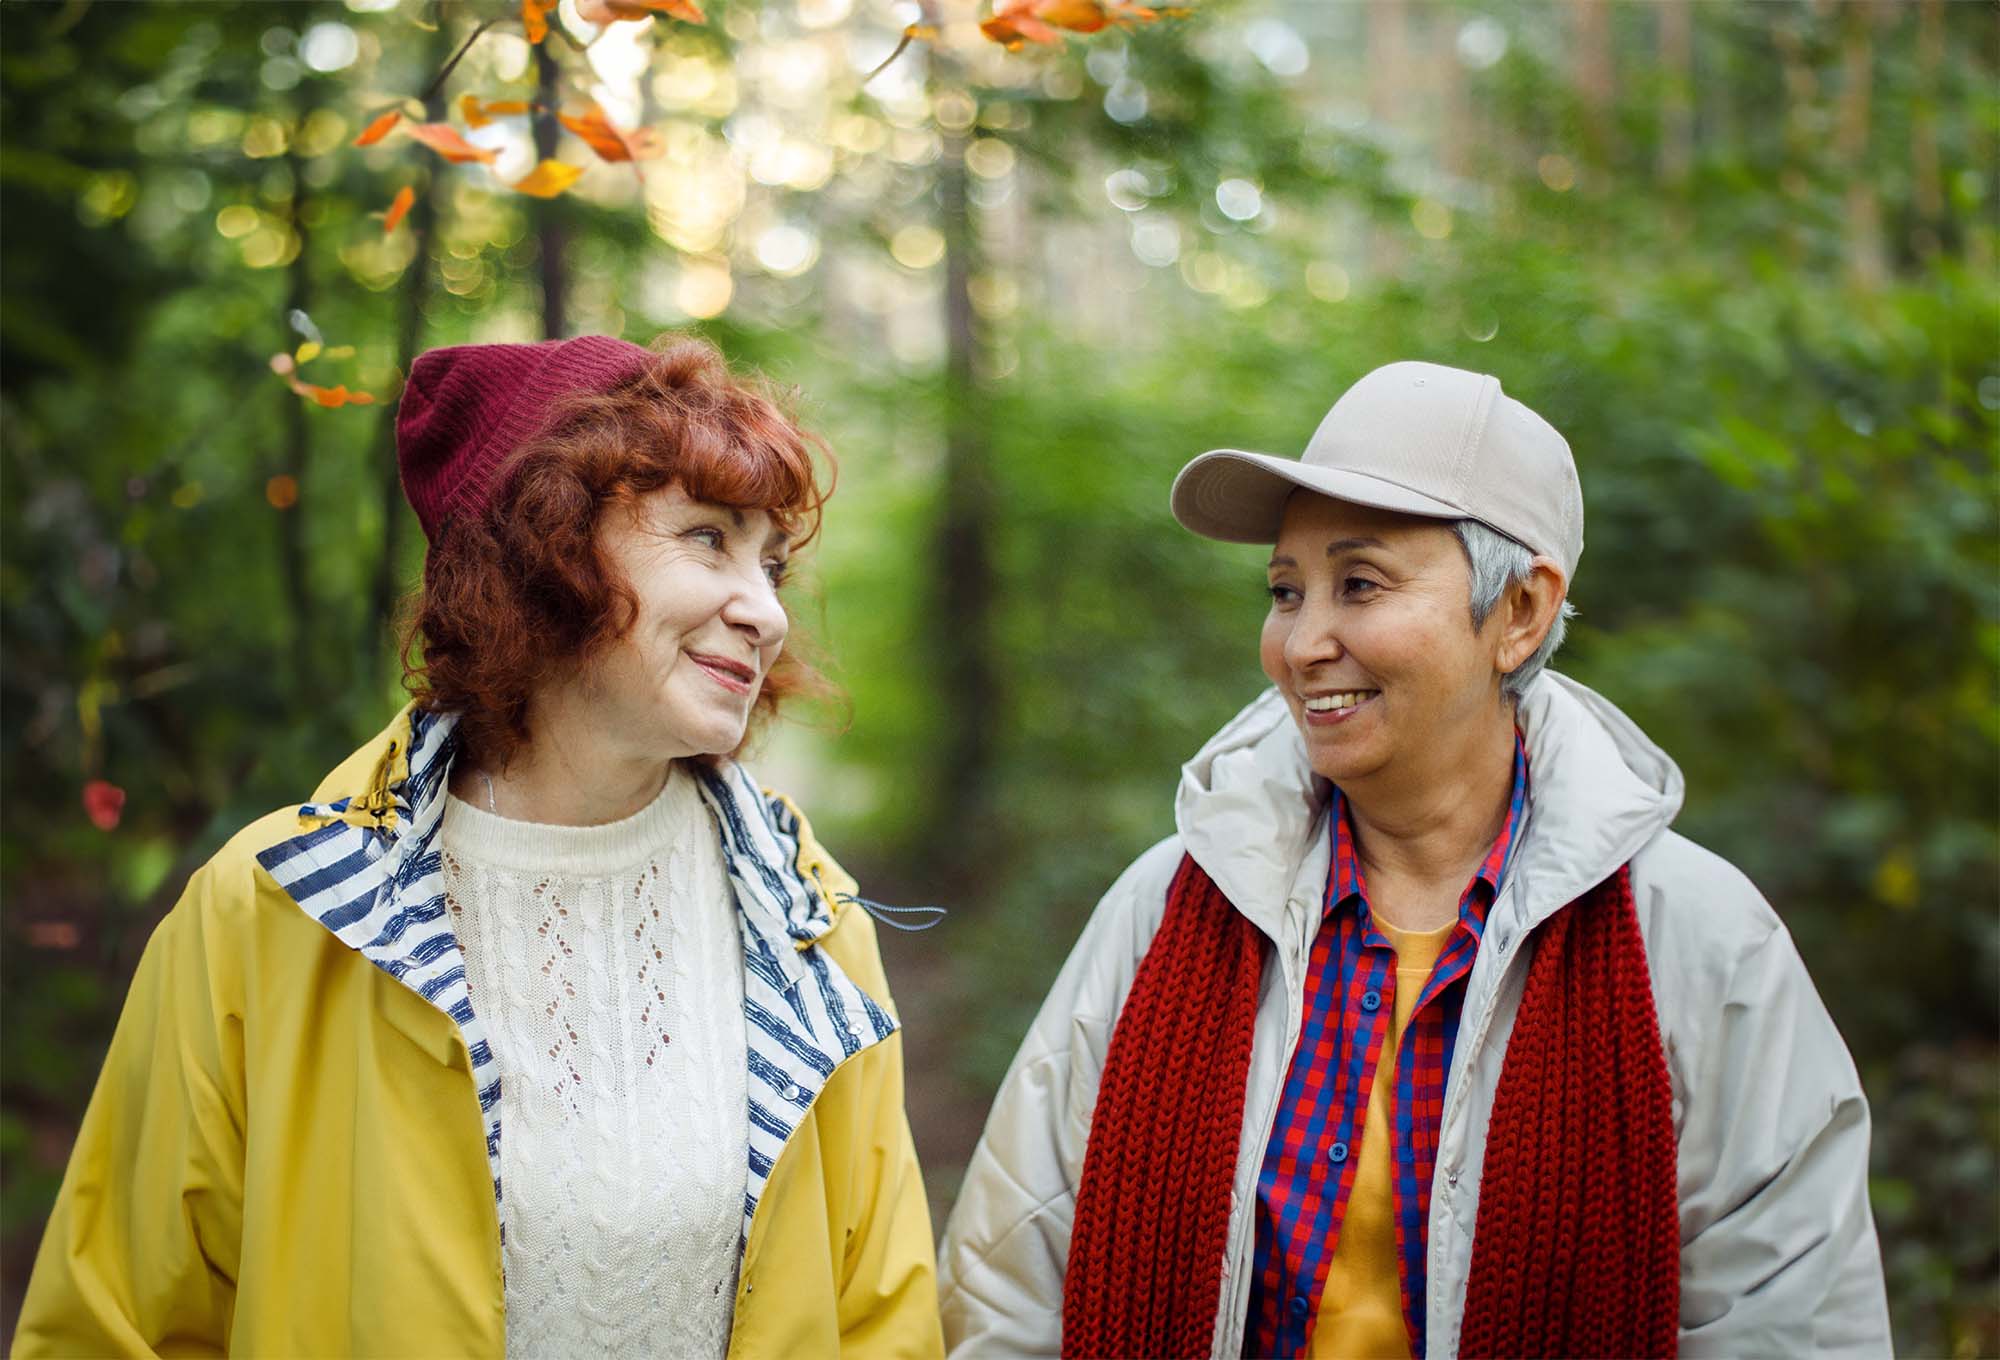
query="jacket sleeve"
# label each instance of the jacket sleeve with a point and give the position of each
(1778, 1250)
(888, 1286)
(1007, 1242)
(140, 1253)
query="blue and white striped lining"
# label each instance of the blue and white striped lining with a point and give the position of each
(802, 1015)
(380, 890)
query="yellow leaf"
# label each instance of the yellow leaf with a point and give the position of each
(308, 351)
(548, 179)
(1896, 881)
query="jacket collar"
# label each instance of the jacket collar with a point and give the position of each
(1250, 809)
(367, 867)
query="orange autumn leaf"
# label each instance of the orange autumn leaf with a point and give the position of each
(379, 129)
(1011, 30)
(594, 126)
(535, 17)
(399, 208)
(336, 396)
(287, 367)
(548, 179)
(443, 138)
(611, 11)
(1078, 16)
(1016, 21)
(478, 113)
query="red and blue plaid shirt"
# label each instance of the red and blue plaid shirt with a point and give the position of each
(1309, 1165)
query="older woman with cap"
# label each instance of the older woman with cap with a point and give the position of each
(540, 1028)
(1424, 1035)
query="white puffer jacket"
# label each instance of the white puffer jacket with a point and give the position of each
(1778, 1251)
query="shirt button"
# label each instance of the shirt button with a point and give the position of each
(1371, 1001)
(1300, 1307)
(1338, 1152)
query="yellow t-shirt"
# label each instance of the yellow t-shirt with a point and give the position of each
(1361, 1308)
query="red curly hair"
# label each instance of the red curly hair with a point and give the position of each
(520, 593)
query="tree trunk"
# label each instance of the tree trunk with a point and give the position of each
(1456, 137)
(412, 297)
(298, 440)
(1865, 267)
(1595, 77)
(963, 551)
(1676, 92)
(1801, 92)
(1924, 160)
(550, 235)
(1388, 66)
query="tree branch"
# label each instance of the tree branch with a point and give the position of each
(437, 81)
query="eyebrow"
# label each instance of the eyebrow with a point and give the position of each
(1333, 549)
(777, 538)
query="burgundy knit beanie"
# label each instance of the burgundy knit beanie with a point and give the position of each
(466, 407)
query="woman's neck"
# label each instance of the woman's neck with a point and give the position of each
(572, 772)
(1420, 842)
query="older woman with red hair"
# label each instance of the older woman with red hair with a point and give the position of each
(540, 1028)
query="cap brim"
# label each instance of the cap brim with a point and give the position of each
(1240, 497)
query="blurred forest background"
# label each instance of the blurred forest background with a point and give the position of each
(1743, 255)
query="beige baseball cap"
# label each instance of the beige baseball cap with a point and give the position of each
(1419, 438)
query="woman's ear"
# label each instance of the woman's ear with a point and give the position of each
(1526, 612)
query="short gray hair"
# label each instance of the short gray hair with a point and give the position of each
(1498, 562)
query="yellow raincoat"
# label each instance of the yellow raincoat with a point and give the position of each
(286, 1155)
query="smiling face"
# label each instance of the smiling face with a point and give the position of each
(706, 631)
(1370, 641)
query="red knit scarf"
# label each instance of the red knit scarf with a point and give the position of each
(1576, 1250)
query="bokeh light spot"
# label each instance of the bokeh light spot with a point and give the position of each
(1431, 219)
(1558, 172)
(917, 246)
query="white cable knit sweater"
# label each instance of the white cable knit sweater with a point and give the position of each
(606, 964)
